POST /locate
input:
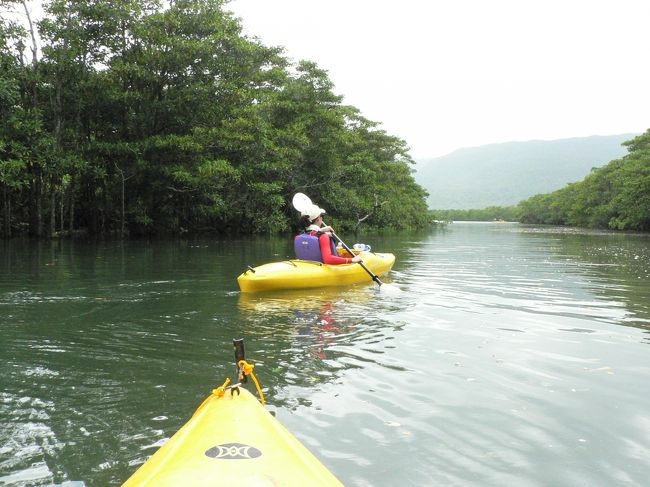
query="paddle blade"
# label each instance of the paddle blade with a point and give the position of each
(389, 289)
(301, 202)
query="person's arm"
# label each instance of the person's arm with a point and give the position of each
(328, 257)
(326, 251)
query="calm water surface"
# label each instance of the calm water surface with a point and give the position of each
(512, 356)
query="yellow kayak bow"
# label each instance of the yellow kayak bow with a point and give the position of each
(232, 440)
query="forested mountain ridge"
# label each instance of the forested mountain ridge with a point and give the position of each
(161, 117)
(505, 174)
(615, 196)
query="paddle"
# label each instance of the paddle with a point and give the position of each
(374, 276)
(302, 202)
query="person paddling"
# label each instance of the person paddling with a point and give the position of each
(317, 242)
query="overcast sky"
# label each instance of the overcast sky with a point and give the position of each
(446, 74)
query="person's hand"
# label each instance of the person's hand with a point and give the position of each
(356, 259)
(326, 229)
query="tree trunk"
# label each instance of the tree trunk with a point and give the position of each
(6, 210)
(35, 210)
(35, 203)
(62, 227)
(71, 200)
(8, 218)
(122, 224)
(39, 206)
(32, 33)
(122, 230)
(52, 213)
(71, 223)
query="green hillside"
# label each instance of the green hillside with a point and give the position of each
(615, 196)
(505, 174)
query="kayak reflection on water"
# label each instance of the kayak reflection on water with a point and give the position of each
(312, 319)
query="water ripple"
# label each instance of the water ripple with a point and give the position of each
(510, 357)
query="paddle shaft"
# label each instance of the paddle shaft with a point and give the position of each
(374, 276)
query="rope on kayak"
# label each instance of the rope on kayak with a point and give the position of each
(221, 390)
(247, 369)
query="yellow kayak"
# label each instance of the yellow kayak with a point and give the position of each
(231, 440)
(302, 274)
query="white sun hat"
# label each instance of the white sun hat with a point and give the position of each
(313, 212)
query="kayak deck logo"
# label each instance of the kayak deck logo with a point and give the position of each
(233, 451)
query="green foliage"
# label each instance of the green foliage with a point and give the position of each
(615, 196)
(161, 117)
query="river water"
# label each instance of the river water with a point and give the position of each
(510, 355)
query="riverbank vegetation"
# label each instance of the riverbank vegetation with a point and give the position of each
(130, 118)
(615, 196)
(492, 213)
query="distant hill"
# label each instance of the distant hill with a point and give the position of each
(505, 174)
